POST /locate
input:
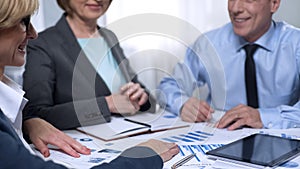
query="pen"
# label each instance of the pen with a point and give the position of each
(183, 161)
(137, 122)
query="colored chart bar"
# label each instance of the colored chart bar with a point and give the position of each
(202, 149)
(189, 137)
(192, 137)
(205, 133)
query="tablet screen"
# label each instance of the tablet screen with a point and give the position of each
(259, 149)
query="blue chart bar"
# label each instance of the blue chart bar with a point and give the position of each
(182, 139)
(189, 137)
(198, 135)
(181, 152)
(192, 137)
(170, 140)
(191, 149)
(205, 133)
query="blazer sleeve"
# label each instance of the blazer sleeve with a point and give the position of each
(15, 155)
(135, 158)
(13, 152)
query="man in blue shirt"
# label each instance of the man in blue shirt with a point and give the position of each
(217, 59)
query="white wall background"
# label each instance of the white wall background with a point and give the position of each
(148, 50)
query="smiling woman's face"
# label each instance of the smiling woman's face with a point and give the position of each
(13, 41)
(89, 9)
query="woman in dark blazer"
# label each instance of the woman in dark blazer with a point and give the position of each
(62, 83)
(15, 31)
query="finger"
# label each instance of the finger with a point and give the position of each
(207, 106)
(143, 99)
(60, 142)
(136, 94)
(67, 149)
(129, 88)
(204, 113)
(135, 88)
(206, 110)
(239, 123)
(200, 117)
(227, 119)
(42, 147)
(77, 146)
(125, 87)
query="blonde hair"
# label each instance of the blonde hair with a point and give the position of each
(12, 11)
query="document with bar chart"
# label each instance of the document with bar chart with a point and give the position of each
(199, 161)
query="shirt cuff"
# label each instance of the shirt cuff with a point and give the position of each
(179, 102)
(270, 117)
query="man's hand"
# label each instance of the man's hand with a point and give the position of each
(195, 110)
(240, 116)
(42, 133)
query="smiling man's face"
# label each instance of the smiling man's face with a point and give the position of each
(251, 18)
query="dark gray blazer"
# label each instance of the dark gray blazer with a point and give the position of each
(15, 155)
(62, 86)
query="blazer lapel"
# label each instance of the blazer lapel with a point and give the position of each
(5, 125)
(83, 69)
(117, 53)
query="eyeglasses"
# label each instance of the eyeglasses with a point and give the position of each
(26, 22)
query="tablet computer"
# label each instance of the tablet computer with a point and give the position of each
(258, 150)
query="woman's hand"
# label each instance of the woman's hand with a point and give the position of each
(165, 150)
(135, 93)
(42, 133)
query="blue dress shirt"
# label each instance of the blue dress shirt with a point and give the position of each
(217, 59)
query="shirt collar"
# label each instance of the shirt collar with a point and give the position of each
(266, 41)
(11, 98)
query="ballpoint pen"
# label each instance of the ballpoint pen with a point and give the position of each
(137, 122)
(183, 161)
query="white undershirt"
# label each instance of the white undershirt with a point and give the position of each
(12, 103)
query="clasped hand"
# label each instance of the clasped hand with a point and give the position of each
(129, 100)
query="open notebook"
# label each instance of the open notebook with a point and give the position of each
(121, 127)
